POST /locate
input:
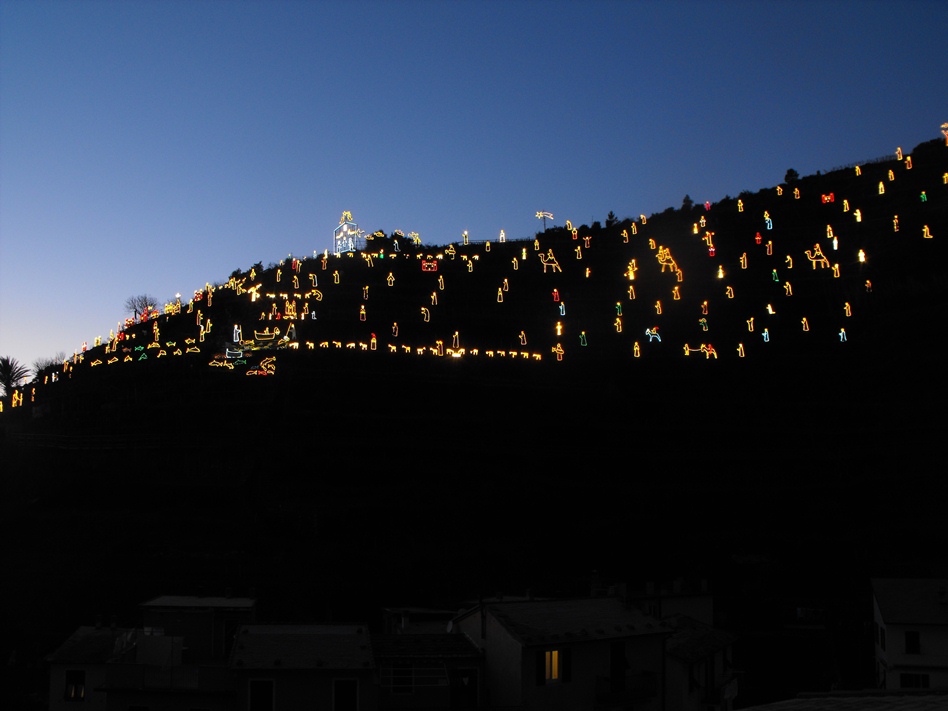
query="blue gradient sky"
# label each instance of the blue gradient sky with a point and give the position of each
(150, 147)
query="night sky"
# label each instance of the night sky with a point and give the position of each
(150, 147)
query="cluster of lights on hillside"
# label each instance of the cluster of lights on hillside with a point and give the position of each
(289, 298)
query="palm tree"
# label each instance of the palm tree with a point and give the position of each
(11, 373)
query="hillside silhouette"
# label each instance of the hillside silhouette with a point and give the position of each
(339, 430)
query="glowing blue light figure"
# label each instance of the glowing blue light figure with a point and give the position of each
(766, 335)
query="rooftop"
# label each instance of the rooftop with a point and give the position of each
(912, 600)
(93, 645)
(692, 640)
(579, 620)
(302, 647)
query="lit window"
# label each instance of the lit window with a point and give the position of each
(552, 666)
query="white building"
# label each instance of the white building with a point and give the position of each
(910, 626)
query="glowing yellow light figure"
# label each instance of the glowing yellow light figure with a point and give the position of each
(516, 264)
(676, 295)
(944, 178)
(455, 340)
(579, 252)
(770, 248)
(559, 328)
(806, 324)
(729, 292)
(658, 307)
(279, 274)
(694, 228)
(926, 233)
(625, 236)
(895, 223)
(425, 314)
(788, 290)
(779, 190)
(365, 293)
(836, 271)
(631, 293)
(651, 243)
(770, 310)
(740, 350)
(740, 206)
(704, 308)
(335, 276)
(858, 170)
(743, 261)
(634, 229)
(487, 245)
(390, 279)
(636, 350)
(702, 221)
(796, 193)
(588, 272)
(881, 188)
(523, 338)
(434, 298)
(506, 286)
(847, 309)
(631, 270)
(750, 324)
(861, 256)
(642, 217)
(618, 324)
(891, 176)
(441, 282)
(720, 271)
(789, 262)
(558, 349)
(296, 285)
(536, 245)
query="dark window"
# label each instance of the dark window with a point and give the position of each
(261, 694)
(912, 644)
(913, 681)
(75, 685)
(345, 695)
(882, 638)
(402, 679)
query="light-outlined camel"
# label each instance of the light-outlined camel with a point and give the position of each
(548, 260)
(705, 348)
(817, 257)
(653, 333)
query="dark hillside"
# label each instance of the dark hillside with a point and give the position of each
(268, 436)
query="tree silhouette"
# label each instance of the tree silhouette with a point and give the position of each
(687, 203)
(611, 219)
(791, 176)
(11, 373)
(141, 303)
